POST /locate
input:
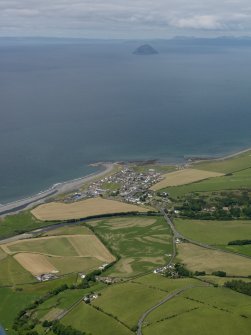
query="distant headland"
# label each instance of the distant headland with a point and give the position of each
(145, 49)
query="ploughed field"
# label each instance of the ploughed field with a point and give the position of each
(54, 211)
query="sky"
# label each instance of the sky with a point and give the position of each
(125, 18)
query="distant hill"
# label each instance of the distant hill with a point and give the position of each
(145, 49)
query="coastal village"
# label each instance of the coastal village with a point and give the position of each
(126, 185)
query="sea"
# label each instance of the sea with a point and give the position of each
(67, 103)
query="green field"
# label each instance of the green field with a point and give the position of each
(54, 246)
(221, 280)
(86, 318)
(74, 229)
(141, 242)
(236, 163)
(19, 223)
(238, 180)
(157, 167)
(217, 233)
(128, 301)
(12, 273)
(75, 264)
(14, 300)
(196, 311)
(164, 283)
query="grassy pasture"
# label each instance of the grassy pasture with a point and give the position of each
(238, 180)
(195, 312)
(75, 264)
(128, 301)
(12, 273)
(142, 243)
(185, 176)
(236, 163)
(59, 246)
(81, 209)
(19, 223)
(221, 280)
(69, 230)
(86, 318)
(217, 233)
(200, 259)
(13, 301)
(157, 167)
(164, 283)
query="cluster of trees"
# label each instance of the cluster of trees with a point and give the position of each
(222, 206)
(24, 323)
(239, 286)
(219, 273)
(182, 271)
(59, 329)
(239, 242)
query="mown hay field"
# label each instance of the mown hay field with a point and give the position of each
(59, 254)
(201, 259)
(86, 208)
(182, 177)
(235, 181)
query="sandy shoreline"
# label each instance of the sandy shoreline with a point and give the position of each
(56, 189)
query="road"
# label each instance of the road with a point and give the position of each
(178, 235)
(57, 189)
(167, 298)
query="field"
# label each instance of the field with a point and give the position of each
(12, 273)
(124, 303)
(200, 259)
(19, 223)
(14, 300)
(58, 254)
(157, 167)
(74, 229)
(128, 301)
(196, 311)
(143, 243)
(237, 180)
(81, 209)
(185, 176)
(86, 318)
(204, 231)
(236, 163)
(164, 283)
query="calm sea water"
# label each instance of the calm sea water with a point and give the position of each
(64, 106)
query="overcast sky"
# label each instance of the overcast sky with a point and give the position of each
(124, 18)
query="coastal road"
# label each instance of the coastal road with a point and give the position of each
(57, 189)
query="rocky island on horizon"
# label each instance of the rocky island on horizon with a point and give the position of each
(145, 49)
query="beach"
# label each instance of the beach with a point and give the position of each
(57, 189)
